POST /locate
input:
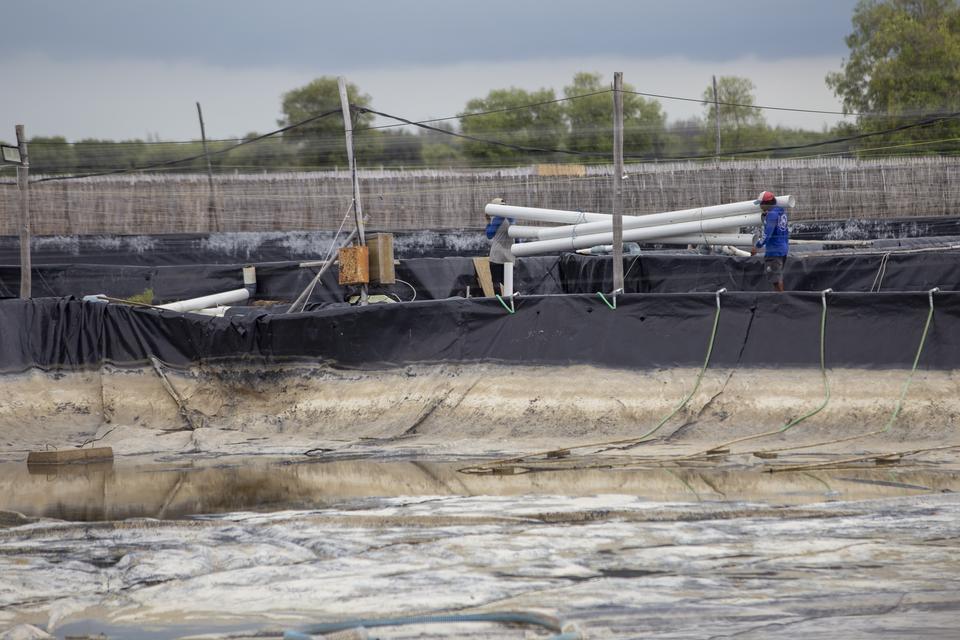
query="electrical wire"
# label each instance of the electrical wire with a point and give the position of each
(197, 156)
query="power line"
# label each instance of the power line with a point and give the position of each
(921, 123)
(197, 156)
(492, 111)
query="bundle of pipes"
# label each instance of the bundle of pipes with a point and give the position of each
(716, 225)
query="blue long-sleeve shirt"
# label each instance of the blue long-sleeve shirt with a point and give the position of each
(776, 235)
(494, 224)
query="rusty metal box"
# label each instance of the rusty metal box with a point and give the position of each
(354, 265)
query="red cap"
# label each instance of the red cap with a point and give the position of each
(766, 197)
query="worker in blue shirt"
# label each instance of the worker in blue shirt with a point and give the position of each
(775, 240)
(500, 243)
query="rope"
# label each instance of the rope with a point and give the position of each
(881, 271)
(703, 369)
(554, 454)
(511, 309)
(792, 423)
(899, 406)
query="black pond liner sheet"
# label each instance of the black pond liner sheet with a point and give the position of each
(439, 278)
(645, 331)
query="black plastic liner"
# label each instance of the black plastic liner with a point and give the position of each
(438, 278)
(259, 247)
(429, 278)
(918, 271)
(644, 332)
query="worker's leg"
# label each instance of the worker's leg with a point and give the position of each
(496, 273)
(507, 279)
(773, 270)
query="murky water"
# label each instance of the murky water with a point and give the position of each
(695, 552)
(106, 492)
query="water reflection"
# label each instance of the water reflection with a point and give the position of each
(106, 492)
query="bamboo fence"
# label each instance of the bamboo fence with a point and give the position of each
(408, 199)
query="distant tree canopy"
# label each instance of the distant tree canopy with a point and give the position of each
(506, 115)
(590, 118)
(320, 142)
(742, 126)
(904, 61)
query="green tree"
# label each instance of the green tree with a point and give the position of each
(49, 155)
(320, 142)
(904, 61)
(742, 126)
(528, 119)
(591, 118)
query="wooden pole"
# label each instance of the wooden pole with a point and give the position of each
(211, 202)
(23, 174)
(618, 182)
(357, 208)
(716, 113)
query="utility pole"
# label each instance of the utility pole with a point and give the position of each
(23, 174)
(716, 122)
(716, 113)
(211, 203)
(357, 209)
(617, 183)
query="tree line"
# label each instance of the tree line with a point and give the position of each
(903, 66)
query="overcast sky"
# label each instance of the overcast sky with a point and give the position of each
(132, 68)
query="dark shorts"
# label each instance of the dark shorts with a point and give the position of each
(496, 273)
(773, 268)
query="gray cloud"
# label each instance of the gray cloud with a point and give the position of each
(383, 34)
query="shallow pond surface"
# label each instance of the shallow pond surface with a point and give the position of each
(684, 552)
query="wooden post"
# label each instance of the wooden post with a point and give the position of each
(617, 182)
(716, 113)
(716, 122)
(23, 174)
(211, 202)
(348, 132)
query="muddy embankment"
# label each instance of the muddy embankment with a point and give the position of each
(455, 410)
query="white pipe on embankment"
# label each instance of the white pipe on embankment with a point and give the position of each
(195, 304)
(636, 235)
(580, 223)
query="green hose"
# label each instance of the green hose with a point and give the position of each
(916, 360)
(823, 368)
(696, 385)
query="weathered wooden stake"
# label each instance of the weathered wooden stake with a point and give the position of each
(716, 122)
(357, 209)
(23, 174)
(716, 112)
(211, 202)
(617, 182)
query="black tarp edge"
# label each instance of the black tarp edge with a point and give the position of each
(645, 331)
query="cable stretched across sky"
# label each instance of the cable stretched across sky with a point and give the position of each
(195, 156)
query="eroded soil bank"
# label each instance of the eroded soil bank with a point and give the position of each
(467, 410)
(249, 501)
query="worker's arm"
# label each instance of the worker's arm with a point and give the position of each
(493, 225)
(769, 226)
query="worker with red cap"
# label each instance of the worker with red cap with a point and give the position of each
(775, 240)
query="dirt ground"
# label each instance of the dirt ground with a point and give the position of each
(472, 410)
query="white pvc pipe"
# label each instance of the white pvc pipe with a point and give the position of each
(735, 239)
(583, 223)
(195, 304)
(635, 235)
(507, 279)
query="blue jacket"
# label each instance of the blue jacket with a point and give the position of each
(494, 224)
(776, 236)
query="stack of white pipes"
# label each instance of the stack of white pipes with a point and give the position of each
(716, 225)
